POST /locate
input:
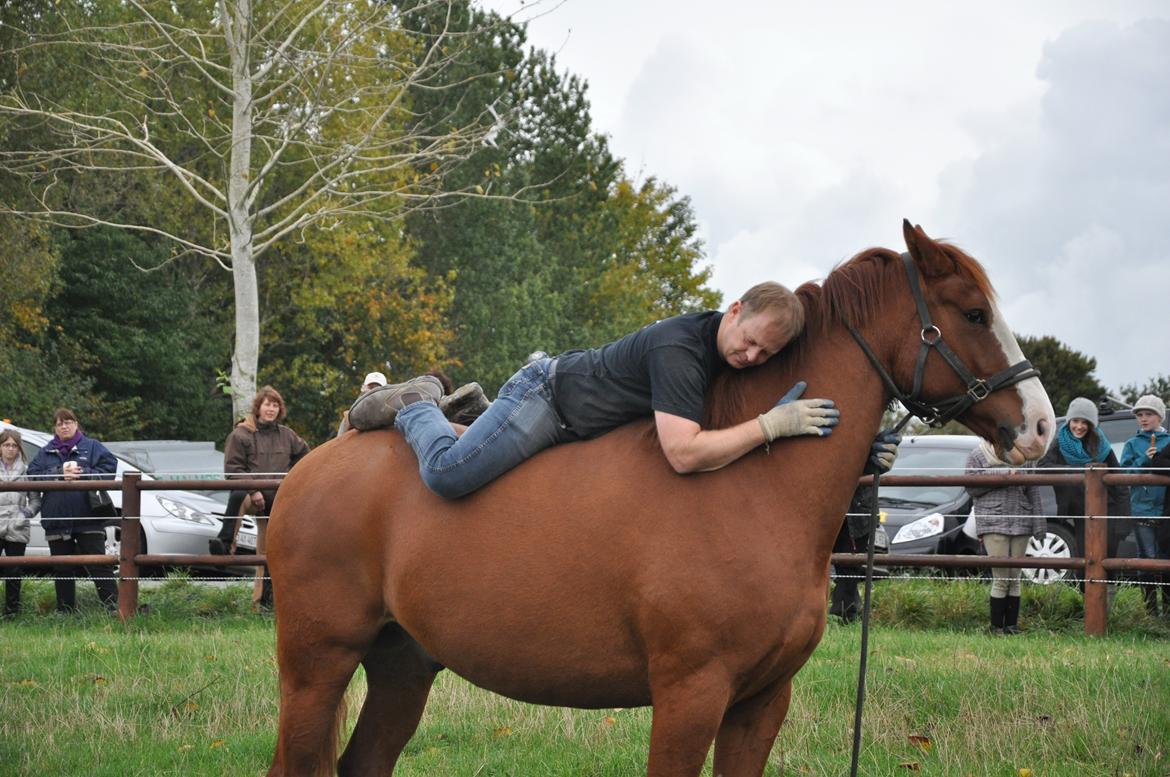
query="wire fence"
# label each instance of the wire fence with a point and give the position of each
(1094, 567)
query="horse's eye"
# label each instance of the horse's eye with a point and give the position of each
(977, 316)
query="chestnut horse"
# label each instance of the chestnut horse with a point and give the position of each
(595, 576)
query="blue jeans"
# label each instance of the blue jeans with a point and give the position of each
(1146, 537)
(518, 425)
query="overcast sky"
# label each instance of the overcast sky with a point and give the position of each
(1035, 135)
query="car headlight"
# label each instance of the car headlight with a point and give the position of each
(926, 526)
(185, 512)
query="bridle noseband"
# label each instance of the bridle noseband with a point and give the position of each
(940, 411)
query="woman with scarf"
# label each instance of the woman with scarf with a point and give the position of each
(1079, 443)
(16, 508)
(70, 526)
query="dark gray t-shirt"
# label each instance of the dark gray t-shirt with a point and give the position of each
(665, 366)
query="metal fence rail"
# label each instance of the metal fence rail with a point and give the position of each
(1094, 563)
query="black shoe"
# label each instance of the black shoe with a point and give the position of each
(377, 409)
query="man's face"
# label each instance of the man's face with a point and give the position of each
(269, 410)
(748, 340)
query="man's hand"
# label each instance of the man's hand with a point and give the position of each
(792, 416)
(882, 453)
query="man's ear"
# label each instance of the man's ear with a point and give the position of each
(735, 308)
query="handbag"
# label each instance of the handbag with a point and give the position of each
(100, 503)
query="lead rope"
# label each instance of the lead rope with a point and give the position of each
(865, 607)
(873, 522)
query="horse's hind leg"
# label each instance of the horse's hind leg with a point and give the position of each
(749, 731)
(399, 675)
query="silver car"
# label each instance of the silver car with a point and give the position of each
(173, 522)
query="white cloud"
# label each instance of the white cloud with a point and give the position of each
(1036, 135)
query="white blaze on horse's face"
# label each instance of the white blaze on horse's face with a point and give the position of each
(1035, 433)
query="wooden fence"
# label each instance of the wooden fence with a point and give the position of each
(1094, 564)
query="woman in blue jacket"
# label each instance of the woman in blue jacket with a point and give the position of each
(69, 523)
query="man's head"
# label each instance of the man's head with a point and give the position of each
(759, 324)
(373, 381)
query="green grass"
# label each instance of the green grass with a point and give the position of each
(191, 690)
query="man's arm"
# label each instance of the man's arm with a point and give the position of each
(689, 448)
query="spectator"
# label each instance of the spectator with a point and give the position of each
(1006, 517)
(16, 508)
(845, 601)
(1147, 502)
(71, 455)
(1079, 443)
(1161, 461)
(259, 446)
(372, 381)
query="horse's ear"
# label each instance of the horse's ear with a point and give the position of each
(927, 255)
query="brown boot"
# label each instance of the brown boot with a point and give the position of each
(464, 404)
(377, 408)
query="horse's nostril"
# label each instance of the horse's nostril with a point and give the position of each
(1042, 428)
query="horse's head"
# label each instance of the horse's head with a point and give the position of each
(944, 349)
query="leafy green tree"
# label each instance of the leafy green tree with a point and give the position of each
(269, 119)
(352, 294)
(148, 344)
(1065, 373)
(1158, 386)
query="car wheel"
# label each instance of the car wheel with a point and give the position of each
(1057, 543)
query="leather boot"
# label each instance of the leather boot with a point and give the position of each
(1011, 615)
(377, 408)
(998, 609)
(464, 404)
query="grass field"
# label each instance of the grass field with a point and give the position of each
(191, 690)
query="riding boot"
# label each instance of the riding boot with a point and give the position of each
(845, 603)
(998, 609)
(1011, 615)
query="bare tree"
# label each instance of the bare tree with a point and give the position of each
(270, 119)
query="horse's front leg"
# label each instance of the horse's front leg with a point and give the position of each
(749, 731)
(687, 714)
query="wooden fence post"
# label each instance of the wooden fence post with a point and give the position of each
(128, 571)
(1095, 550)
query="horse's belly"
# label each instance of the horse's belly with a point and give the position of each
(547, 667)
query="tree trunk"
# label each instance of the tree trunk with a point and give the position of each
(238, 18)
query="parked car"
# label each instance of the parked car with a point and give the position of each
(930, 520)
(173, 522)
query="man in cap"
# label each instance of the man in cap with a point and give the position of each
(373, 380)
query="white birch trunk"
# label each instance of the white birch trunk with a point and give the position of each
(238, 20)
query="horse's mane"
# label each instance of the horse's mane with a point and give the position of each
(849, 295)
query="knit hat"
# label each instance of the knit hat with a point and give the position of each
(1152, 403)
(1082, 408)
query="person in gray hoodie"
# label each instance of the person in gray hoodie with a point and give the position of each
(16, 508)
(1006, 518)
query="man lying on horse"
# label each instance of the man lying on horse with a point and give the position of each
(663, 370)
